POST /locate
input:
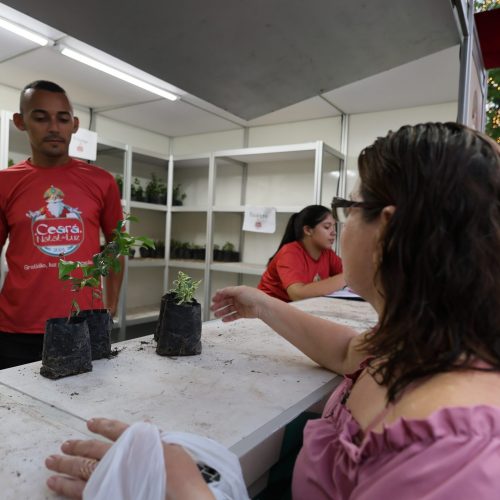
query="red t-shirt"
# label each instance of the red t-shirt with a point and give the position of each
(293, 264)
(46, 212)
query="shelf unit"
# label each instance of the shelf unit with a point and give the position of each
(218, 186)
(144, 277)
(221, 184)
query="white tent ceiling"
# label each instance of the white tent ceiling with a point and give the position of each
(237, 63)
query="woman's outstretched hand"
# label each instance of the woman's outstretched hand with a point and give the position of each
(81, 457)
(236, 302)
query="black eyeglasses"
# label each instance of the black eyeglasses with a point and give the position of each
(341, 206)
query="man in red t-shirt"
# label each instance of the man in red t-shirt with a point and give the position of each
(50, 205)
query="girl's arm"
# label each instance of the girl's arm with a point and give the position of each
(299, 291)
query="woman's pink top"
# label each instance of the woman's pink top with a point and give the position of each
(454, 454)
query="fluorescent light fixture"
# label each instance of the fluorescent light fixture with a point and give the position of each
(25, 33)
(77, 56)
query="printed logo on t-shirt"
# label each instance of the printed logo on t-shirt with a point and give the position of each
(57, 228)
(317, 278)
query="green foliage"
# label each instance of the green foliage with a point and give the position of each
(184, 288)
(10, 162)
(228, 247)
(493, 105)
(493, 102)
(178, 195)
(482, 5)
(156, 189)
(119, 182)
(136, 190)
(89, 275)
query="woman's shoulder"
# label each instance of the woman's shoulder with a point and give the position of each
(457, 389)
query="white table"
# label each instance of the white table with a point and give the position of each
(247, 384)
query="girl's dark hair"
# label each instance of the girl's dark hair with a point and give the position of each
(439, 269)
(310, 216)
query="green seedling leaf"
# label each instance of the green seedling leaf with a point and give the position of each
(103, 262)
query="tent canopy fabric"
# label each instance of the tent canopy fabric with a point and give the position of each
(488, 28)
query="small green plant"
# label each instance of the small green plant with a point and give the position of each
(228, 247)
(154, 189)
(136, 190)
(89, 275)
(119, 182)
(162, 192)
(177, 195)
(10, 162)
(184, 288)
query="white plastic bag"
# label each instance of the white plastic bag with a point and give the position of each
(231, 485)
(134, 469)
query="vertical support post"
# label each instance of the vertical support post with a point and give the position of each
(4, 161)
(122, 303)
(342, 185)
(466, 45)
(318, 172)
(168, 221)
(209, 237)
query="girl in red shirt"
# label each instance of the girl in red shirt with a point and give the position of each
(305, 264)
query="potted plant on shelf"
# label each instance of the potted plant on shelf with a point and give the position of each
(119, 182)
(178, 330)
(136, 190)
(162, 192)
(228, 253)
(145, 252)
(160, 249)
(175, 248)
(153, 190)
(178, 196)
(217, 255)
(185, 250)
(198, 252)
(71, 343)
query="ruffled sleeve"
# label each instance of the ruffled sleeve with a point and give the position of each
(453, 454)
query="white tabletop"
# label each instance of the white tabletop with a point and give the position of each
(247, 383)
(31, 430)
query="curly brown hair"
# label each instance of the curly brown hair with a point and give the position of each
(439, 268)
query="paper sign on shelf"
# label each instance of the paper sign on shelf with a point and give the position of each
(260, 219)
(84, 144)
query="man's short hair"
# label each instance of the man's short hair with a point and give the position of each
(43, 85)
(40, 85)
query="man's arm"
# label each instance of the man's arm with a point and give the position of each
(113, 286)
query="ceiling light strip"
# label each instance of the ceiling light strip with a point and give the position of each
(25, 33)
(77, 56)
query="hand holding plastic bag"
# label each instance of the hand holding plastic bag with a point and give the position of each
(133, 467)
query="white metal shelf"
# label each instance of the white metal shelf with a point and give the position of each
(187, 263)
(238, 267)
(146, 262)
(144, 314)
(148, 206)
(188, 208)
(290, 152)
(289, 209)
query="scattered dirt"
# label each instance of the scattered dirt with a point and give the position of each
(114, 352)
